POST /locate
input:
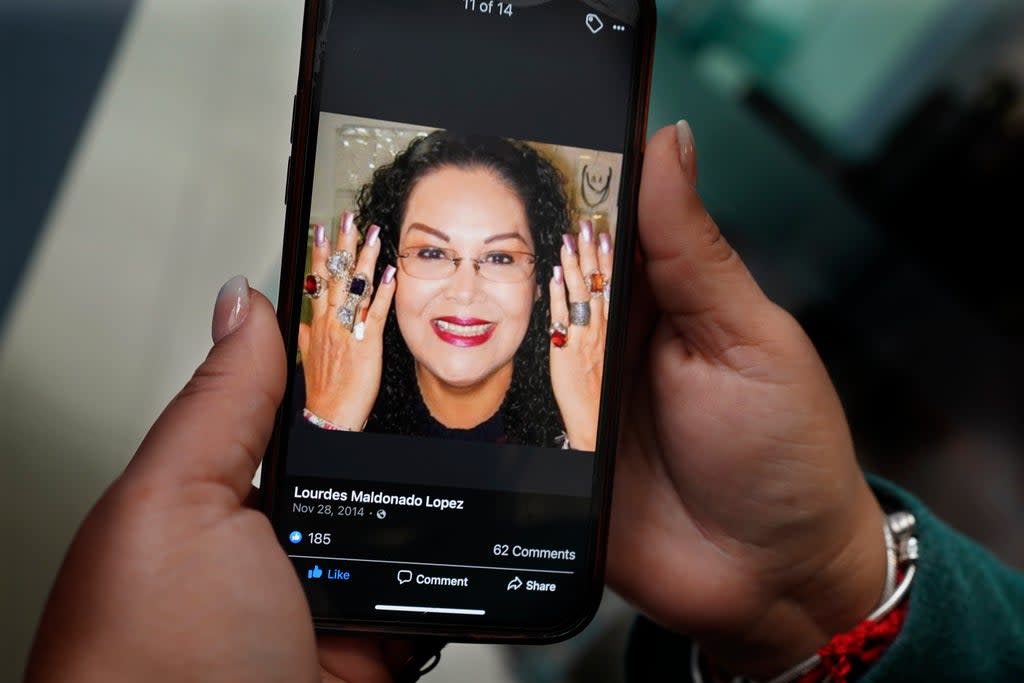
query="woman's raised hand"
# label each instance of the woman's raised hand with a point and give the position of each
(342, 348)
(579, 318)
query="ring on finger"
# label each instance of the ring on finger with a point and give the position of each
(358, 290)
(596, 281)
(340, 264)
(314, 286)
(579, 313)
(559, 335)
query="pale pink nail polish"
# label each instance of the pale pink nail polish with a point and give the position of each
(559, 276)
(606, 243)
(570, 243)
(587, 231)
(231, 309)
(389, 275)
(687, 153)
(320, 235)
(347, 222)
(373, 236)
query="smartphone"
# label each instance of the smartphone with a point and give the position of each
(460, 225)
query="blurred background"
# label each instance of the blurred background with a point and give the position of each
(865, 157)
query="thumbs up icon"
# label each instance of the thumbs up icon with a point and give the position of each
(315, 572)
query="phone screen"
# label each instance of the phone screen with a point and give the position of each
(453, 293)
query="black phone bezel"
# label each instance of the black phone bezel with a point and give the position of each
(298, 200)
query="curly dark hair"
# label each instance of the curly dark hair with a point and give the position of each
(529, 412)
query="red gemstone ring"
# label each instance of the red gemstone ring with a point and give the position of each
(313, 287)
(559, 335)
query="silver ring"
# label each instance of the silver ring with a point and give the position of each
(347, 314)
(579, 313)
(340, 264)
(359, 289)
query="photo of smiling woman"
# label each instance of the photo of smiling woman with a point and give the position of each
(460, 299)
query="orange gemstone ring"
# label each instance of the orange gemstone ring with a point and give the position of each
(597, 282)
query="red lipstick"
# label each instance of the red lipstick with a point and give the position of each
(463, 332)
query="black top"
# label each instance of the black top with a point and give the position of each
(491, 430)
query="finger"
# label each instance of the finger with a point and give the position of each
(588, 247)
(347, 241)
(353, 659)
(348, 236)
(367, 262)
(559, 308)
(606, 255)
(559, 304)
(318, 264)
(378, 313)
(216, 430)
(304, 334)
(694, 273)
(578, 289)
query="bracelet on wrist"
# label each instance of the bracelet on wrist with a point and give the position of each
(317, 421)
(867, 641)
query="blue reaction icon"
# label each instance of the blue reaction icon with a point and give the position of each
(295, 537)
(315, 572)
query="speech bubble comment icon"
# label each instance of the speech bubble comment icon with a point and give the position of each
(404, 576)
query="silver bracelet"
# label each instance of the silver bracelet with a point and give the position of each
(317, 421)
(901, 551)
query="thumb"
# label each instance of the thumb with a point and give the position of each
(216, 430)
(697, 278)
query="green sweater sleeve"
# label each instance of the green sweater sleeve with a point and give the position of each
(965, 621)
(966, 616)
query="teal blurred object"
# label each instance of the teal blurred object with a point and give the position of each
(798, 233)
(847, 72)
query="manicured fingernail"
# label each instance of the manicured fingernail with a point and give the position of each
(559, 276)
(686, 145)
(372, 236)
(570, 243)
(389, 275)
(606, 243)
(320, 235)
(587, 231)
(231, 309)
(347, 222)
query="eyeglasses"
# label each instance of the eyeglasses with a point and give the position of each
(436, 263)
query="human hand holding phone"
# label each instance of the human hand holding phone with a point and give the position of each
(173, 576)
(740, 515)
